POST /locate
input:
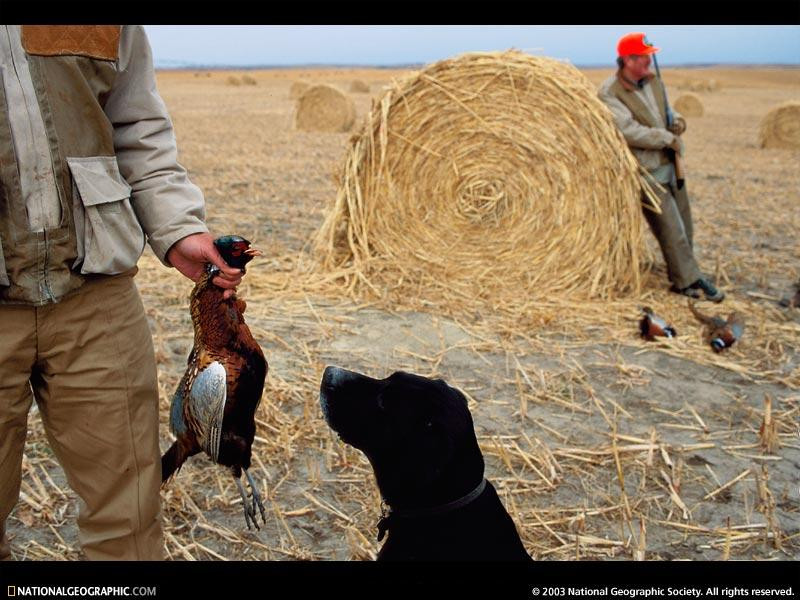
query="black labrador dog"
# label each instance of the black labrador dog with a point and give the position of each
(419, 438)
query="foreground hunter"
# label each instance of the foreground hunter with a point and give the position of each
(88, 173)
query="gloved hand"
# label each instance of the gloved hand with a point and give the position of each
(678, 126)
(676, 145)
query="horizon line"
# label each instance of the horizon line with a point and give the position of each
(165, 66)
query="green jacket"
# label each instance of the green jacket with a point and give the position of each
(88, 161)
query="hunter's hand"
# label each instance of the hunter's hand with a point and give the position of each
(678, 126)
(190, 254)
(676, 144)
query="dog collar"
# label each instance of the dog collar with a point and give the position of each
(387, 516)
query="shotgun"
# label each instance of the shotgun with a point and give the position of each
(676, 158)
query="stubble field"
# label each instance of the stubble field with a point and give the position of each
(601, 445)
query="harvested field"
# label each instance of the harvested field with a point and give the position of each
(602, 446)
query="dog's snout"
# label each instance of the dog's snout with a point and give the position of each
(333, 377)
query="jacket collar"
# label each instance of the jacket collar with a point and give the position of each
(632, 86)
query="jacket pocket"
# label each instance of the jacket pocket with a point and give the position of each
(110, 239)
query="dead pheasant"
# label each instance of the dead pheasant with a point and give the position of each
(720, 333)
(213, 409)
(652, 326)
(794, 301)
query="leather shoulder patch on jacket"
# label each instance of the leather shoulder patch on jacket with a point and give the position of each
(93, 41)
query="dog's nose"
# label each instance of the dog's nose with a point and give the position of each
(333, 377)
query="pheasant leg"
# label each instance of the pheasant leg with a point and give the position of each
(249, 511)
(256, 497)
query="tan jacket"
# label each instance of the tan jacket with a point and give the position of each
(640, 114)
(88, 160)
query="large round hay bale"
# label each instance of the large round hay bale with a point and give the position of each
(233, 80)
(780, 128)
(324, 108)
(495, 177)
(357, 86)
(249, 80)
(689, 105)
(297, 88)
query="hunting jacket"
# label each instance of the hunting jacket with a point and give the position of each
(641, 115)
(88, 161)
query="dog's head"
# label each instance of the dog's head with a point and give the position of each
(416, 432)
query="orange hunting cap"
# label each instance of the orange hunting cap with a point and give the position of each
(635, 43)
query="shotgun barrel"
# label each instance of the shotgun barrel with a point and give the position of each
(674, 156)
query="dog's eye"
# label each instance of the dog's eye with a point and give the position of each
(429, 424)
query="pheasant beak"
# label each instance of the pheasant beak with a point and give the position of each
(253, 252)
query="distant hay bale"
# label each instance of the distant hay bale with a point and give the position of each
(297, 88)
(780, 128)
(700, 85)
(496, 177)
(249, 80)
(689, 105)
(358, 86)
(324, 108)
(233, 80)
(697, 85)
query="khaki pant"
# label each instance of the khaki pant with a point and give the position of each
(674, 231)
(90, 364)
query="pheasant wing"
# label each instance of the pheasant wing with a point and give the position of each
(206, 407)
(736, 323)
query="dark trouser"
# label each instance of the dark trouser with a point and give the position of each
(673, 230)
(88, 361)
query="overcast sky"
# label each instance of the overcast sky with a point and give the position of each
(249, 45)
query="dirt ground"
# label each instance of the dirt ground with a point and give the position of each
(601, 445)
